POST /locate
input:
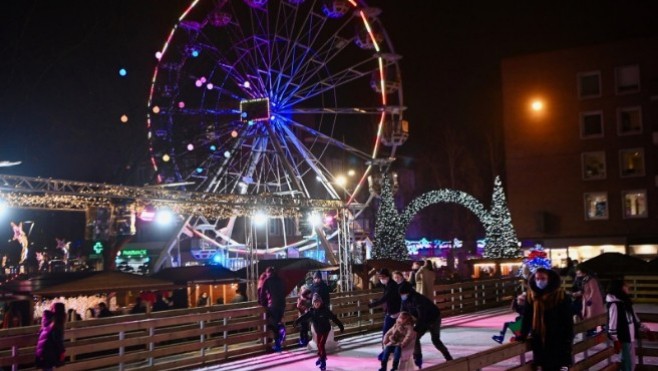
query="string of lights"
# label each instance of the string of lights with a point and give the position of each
(37, 193)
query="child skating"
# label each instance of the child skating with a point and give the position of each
(320, 316)
(398, 340)
(515, 326)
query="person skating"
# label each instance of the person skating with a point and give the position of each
(390, 300)
(320, 316)
(320, 287)
(50, 352)
(518, 306)
(428, 318)
(547, 319)
(401, 338)
(303, 306)
(272, 296)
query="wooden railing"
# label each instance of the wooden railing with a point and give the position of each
(193, 337)
(587, 352)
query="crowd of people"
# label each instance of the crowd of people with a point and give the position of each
(546, 314)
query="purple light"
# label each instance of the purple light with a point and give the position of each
(198, 83)
(210, 86)
(158, 55)
(181, 104)
(190, 147)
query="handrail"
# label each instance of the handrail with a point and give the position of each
(208, 335)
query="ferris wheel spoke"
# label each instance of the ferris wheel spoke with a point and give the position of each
(312, 161)
(333, 110)
(338, 79)
(327, 139)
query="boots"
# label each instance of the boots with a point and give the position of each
(303, 339)
(418, 360)
(322, 362)
(384, 364)
(396, 363)
(498, 339)
(282, 334)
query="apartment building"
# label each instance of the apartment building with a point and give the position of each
(581, 148)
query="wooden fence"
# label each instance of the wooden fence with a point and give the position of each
(195, 337)
(588, 352)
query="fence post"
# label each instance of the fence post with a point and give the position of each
(358, 313)
(122, 349)
(151, 345)
(14, 354)
(265, 329)
(202, 338)
(225, 322)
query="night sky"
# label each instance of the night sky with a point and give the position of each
(61, 97)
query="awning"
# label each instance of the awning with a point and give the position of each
(99, 282)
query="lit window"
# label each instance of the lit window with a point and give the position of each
(635, 204)
(596, 206)
(593, 165)
(627, 79)
(589, 84)
(629, 120)
(591, 125)
(631, 162)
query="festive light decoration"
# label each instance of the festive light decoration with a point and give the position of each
(501, 241)
(536, 259)
(501, 237)
(37, 193)
(79, 303)
(389, 230)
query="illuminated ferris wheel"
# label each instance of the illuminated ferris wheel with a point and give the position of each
(262, 96)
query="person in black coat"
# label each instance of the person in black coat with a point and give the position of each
(547, 319)
(272, 296)
(428, 318)
(321, 288)
(320, 315)
(50, 351)
(390, 300)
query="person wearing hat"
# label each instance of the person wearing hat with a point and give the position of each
(321, 288)
(390, 300)
(428, 318)
(320, 316)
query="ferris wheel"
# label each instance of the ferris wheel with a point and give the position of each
(274, 97)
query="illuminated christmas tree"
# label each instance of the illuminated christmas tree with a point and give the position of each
(389, 235)
(501, 236)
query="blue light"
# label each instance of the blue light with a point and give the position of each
(213, 148)
(123, 72)
(199, 170)
(217, 258)
(195, 53)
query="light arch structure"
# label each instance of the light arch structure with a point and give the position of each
(446, 196)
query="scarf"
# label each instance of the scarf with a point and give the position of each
(540, 303)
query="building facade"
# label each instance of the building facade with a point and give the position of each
(581, 149)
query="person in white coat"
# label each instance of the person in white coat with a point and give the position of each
(623, 323)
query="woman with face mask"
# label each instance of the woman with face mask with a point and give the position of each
(547, 319)
(390, 300)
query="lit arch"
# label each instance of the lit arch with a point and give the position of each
(445, 196)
